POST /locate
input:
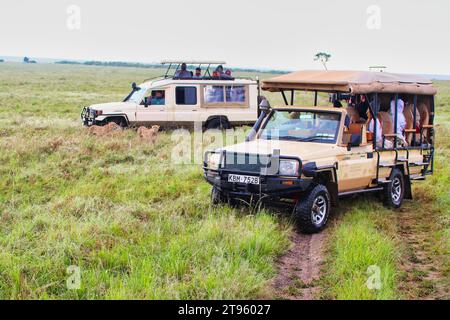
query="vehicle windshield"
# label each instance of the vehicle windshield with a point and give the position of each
(305, 126)
(137, 96)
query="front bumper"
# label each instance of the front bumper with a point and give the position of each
(270, 186)
(88, 117)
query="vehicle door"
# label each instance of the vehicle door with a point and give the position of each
(356, 165)
(154, 107)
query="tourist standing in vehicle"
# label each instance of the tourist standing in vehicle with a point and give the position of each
(198, 73)
(401, 121)
(183, 73)
(219, 70)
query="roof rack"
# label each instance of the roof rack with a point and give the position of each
(355, 82)
(178, 63)
(191, 62)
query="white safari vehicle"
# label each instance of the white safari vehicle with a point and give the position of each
(376, 137)
(181, 98)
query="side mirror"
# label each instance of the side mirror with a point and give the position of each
(147, 101)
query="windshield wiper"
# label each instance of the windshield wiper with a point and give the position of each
(291, 138)
(314, 138)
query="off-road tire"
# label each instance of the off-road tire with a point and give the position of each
(307, 216)
(218, 197)
(394, 191)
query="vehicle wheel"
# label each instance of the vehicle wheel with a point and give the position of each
(311, 213)
(218, 197)
(218, 123)
(394, 191)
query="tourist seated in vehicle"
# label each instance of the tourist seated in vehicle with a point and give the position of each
(158, 99)
(371, 129)
(183, 73)
(362, 107)
(215, 75)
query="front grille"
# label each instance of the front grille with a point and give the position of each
(246, 162)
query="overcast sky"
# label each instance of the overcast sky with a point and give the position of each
(404, 35)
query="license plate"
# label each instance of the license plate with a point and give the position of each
(236, 178)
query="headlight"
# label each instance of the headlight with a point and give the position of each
(289, 167)
(214, 161)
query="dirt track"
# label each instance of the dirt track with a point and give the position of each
(299, 269)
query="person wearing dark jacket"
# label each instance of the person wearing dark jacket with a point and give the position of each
(362, 107)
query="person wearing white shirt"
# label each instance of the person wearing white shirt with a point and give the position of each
(401, 121)
(371, 129)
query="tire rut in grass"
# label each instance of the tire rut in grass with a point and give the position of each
(299, 269)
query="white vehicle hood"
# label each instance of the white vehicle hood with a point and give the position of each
(114, 107)
(306, 151)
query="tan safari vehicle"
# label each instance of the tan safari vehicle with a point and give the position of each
(181, 98)
(307, 157)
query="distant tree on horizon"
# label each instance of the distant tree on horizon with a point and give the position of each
(26, 60)
(323, 57)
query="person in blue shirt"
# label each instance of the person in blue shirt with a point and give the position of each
(159, 99)
(183, 73)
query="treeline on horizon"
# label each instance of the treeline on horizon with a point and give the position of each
(153, 66)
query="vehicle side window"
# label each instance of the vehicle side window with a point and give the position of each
(186, 95)
(235, 94)
(214, 94)
(158, 98)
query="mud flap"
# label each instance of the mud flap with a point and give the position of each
(333, 191)
(408, 190)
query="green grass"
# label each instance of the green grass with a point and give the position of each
(136, 225)
(357, 244)
(140, 227)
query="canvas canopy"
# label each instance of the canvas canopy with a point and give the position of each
(357, 82)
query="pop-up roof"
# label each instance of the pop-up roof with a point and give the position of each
(357, 82)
